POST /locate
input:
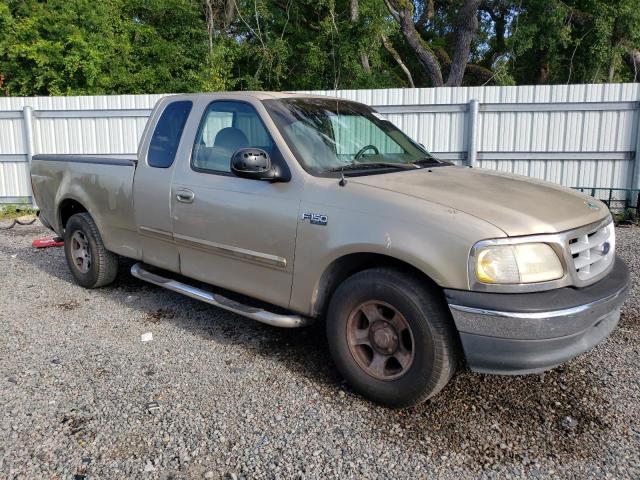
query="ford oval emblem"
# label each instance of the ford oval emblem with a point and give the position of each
(591, 205)
(606, 247)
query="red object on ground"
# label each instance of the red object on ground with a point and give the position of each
(47, 242)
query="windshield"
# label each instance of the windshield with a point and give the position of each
(328, 135)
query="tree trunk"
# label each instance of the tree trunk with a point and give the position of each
(543, 67)
(210, 18)
(218, 14)
(467, 28)
(612, 70)
(354, 16)
(396, 56)
(498, 13)
(229, 12)
(402, 11)
(427, 14)
(364, 61)
(353, 11)
(632, 59)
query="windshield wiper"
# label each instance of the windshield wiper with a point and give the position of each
(369, 165)
(431, 162)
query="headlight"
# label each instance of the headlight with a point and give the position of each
(520, 263)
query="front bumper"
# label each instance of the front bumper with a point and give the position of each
(519, 333)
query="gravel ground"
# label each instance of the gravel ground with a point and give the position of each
(239, 399)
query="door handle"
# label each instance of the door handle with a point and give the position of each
(185, 196)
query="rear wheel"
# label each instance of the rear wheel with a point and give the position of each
(391, 337)
(91, 264)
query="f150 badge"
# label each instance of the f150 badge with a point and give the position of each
(315, 218)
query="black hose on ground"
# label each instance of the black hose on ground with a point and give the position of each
(18, 222)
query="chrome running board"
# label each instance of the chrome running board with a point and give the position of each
(258, 314)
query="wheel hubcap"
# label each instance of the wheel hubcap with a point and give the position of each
(80, 252)
(383, 337)
(380, 340)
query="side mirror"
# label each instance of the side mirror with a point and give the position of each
(253, 163)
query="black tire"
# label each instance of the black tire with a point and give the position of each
(434, 344)
(103, 265)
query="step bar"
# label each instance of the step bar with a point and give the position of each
(258, 314)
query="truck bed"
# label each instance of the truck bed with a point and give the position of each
(102, 185)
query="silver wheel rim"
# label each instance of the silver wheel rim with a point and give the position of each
(80, 252)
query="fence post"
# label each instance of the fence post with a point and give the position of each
(634, 196)
(27, 118)
(635, 184)
(472, 124)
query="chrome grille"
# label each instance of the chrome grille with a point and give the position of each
(593, 252)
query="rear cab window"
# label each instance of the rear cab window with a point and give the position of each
(166, 136)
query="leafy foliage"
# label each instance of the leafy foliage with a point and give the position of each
(575, 41)
(72, 47)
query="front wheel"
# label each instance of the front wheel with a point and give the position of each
(91, 264)
(391, 337)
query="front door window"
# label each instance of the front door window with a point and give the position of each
(227, 126)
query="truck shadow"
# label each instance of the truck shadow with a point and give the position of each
(478, 417)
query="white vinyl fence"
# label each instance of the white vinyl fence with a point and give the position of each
(574, 135)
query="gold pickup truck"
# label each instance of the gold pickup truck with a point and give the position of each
(286, 208)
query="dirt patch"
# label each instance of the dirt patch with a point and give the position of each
(68, 306)
(156, 316)
(77, 425)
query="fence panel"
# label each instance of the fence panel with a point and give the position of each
(574, 135)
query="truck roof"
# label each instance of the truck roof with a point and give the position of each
(255, 94)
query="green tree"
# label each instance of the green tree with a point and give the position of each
(579, 41)
(65, 47)
(49, 48)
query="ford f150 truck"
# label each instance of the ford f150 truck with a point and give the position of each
(285, 208)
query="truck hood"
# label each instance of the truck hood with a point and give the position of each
(517, 205)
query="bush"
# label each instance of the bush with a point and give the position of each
(15, 211)
(629, 216)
